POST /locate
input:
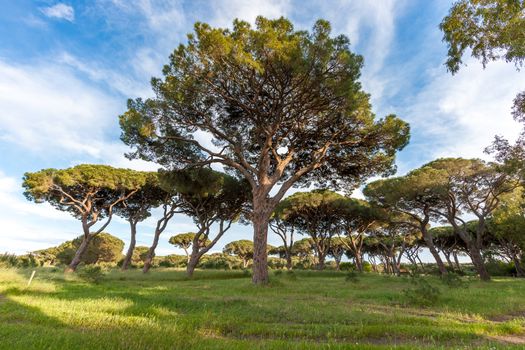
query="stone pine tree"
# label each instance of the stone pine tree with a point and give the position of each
(184, 242)
(468, 186)
(317, 215)
(242, 248)
(356, 218)
(138, 208)
(281, 107)
(88, 192)
(213, 200)
(411, 197)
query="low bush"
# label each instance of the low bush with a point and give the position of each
(422, 293)
(91, 273)
(352, 276)
(453, 280)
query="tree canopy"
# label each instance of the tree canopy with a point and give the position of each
(491, 29)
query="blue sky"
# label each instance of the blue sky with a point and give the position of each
(67, 69)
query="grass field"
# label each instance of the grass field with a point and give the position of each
(222, 310)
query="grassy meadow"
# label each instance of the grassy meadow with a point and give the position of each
(223, 310)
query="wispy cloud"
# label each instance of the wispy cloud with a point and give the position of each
(60, 11)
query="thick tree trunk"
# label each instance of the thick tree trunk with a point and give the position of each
(432, 248)
(79, 253)
(131, 248)
(320, 262)
(519, 269)
(260, 220)
(192, 264)
(477, 260)
(359, 261)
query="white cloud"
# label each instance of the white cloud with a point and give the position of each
(46, 107)
(61, 11)
(460, 115)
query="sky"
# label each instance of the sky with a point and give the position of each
(68, 68)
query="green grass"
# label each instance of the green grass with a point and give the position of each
(222, 310)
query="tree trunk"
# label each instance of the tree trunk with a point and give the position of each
(79, 253)
(260, 220)
(151, 252)
(288, 260)
(338, 262)
(132, 242)
(192, 264)
(432, 248)
(320, 262)
(477, 260)
(456, 260)
(519, 269)
(447, 257)
(359, 261)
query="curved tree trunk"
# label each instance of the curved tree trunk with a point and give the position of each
(432, 248)
(192, 264)
(477, 260)
(456, 261)
(131, 248)
(519, 269)
(79, 253)
(151, 253)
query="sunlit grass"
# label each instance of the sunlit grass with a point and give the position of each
(223, 310)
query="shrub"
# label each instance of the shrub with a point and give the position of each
(346, 266)
(276, 263)
(172, 261)
(8, 260)
(91, 273)
(423, 293)
(367, 267)
(352, 276)
(278, 272)
(453, 280)
(220, 261)
(500, 268)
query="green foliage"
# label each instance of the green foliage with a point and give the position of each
(324, 101)
(500, 268)
(491, 29)
(172, 260)
(423, 293)
(220, 261)
(64, 189)
(242, 248)
(91, 273)
(453, 280)
(352, 276)
(8, 260)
